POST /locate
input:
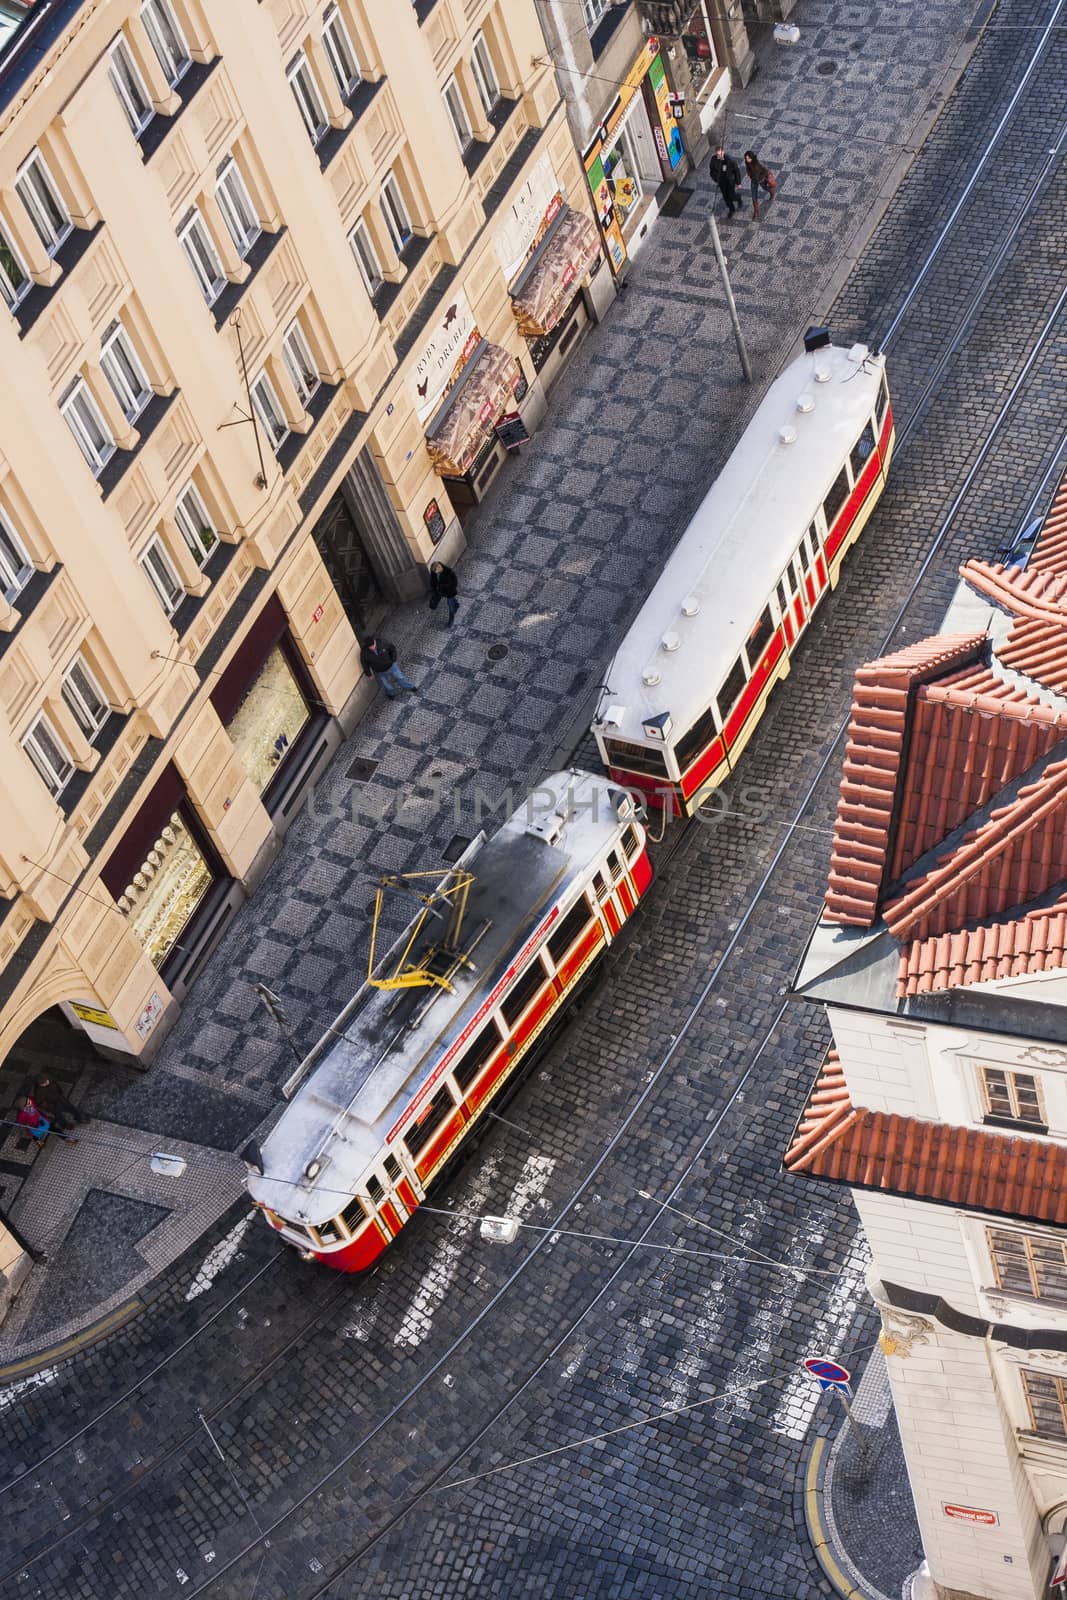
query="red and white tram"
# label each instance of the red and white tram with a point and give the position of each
(393, 1089)
(691, 679)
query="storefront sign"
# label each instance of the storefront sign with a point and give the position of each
(449, 345)
(530, 213)
(662, 117)
(435, 522)
(87, 1013)
(987, 1519)
(149, 1016)
(512, 431)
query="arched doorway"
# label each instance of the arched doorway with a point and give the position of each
(50, 1046)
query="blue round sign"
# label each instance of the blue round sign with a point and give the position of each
(827, 1371)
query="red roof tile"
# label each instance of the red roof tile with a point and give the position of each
(979, 1168)
(1033, 942)
(1051, 550)
(873, 753)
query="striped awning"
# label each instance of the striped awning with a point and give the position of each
(566, 255)
(461, 429)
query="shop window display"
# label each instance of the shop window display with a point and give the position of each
(620, 169)
(699, 48)
(163, 894)
(269, 719)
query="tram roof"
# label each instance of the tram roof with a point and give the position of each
(740, 539)
(391, 1040)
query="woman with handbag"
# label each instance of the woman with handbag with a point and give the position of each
(444, 586)
(759, 178)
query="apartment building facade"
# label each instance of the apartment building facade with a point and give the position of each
(941, 957)
(273, 272)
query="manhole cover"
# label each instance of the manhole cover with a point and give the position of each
(827, 68)
(362, 770)
(455, 847)
(497, 652)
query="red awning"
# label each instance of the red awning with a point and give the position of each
(461, 429)
(568, 253)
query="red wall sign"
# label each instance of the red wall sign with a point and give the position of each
(988, 1519)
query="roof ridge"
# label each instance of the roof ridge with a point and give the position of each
(1037, 593)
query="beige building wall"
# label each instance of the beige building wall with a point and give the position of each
(183, 572)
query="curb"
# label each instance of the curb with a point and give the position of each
(77, 1342)
(830, 1556)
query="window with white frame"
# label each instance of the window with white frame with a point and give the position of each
(15, 281)
(308, 97)
(457, 113)
(340, 51)
(235, 203)
(300, 363)
(395, 213)
(166, 39)
(484, 73)
(49, 755)
(594, 10)
(122, 368)
(84, 698)
(1032, 1264)
(370, 268)
(200, 250)
(16, 569)
(1046, 1401)
(129, 86)
(37, 190)
(195, 524)
(86, 423)
(269, 410)
(1015, 1096)
(159, 570)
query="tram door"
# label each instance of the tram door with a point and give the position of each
(405, 1191)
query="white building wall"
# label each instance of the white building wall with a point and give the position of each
(920, 1247)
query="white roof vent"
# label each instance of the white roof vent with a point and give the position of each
(670, 641)
(858, 354)
(549, 828)
(822, 373)
(787, 435)
(650, 677)
(690, 606)
(614, 717)
(805, 403)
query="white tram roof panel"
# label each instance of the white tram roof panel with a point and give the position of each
(341, 1113)
(740, 540)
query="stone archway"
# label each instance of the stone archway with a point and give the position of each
(51, 1045)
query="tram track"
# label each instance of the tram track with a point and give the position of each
(684, 842)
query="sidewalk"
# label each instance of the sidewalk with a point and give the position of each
(559, 558)
(857, 1500)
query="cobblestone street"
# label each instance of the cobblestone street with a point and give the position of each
(408, 1434)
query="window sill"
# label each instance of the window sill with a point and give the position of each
(103, 744)
(291, 447)
(146, 425)
(347, 435)
(607, 28)
(189, 609)
(424, 311)
(67, 257)
(233, 293)
(478, 149)
(423, 9)
(332, 143)
(26, 602)
(187, 87)
(385, 298)
(1015, 1124)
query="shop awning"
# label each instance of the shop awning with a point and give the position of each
(569, 250)
(461, 429)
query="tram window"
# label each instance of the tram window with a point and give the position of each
(759, 638)
(599, 885)
(295, 1227)
(783, 604)
(732, 688)
(696, 741)
(836, 498)
(522, 992)
(635, 758)
(805, 559)
(329, 1232)
(421, 1132)
(573, 924)
(354, 1214)
(629, 843)
(614, 865)
(375, 1190)
(392, 1169)
(862, 449)
(882, 403)
(476, 1056)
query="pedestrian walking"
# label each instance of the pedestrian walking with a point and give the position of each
(444, 585)
(727, 174)
(378, 655)
(759, 178)
(49, 1096)
(28, 1115)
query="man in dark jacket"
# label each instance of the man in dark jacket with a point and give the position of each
(727, 174)
(50, 1098)
(444, 586)
(378, 656)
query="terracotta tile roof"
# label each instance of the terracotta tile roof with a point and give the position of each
(873, 751)
(1034, 942)
(1051, 550)
(981, 1169)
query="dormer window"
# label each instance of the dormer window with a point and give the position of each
(1013, 1097)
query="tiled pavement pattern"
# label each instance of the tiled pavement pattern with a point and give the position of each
(869, 1510)
(696, 1506)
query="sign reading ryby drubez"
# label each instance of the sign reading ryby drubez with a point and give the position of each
(450, 343)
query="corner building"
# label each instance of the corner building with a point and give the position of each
(941, 957)
(273, 271)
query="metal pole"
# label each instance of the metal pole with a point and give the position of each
(272, 1005)
(857, 1427)
(730, 305)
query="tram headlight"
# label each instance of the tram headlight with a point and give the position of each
(659, 727)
